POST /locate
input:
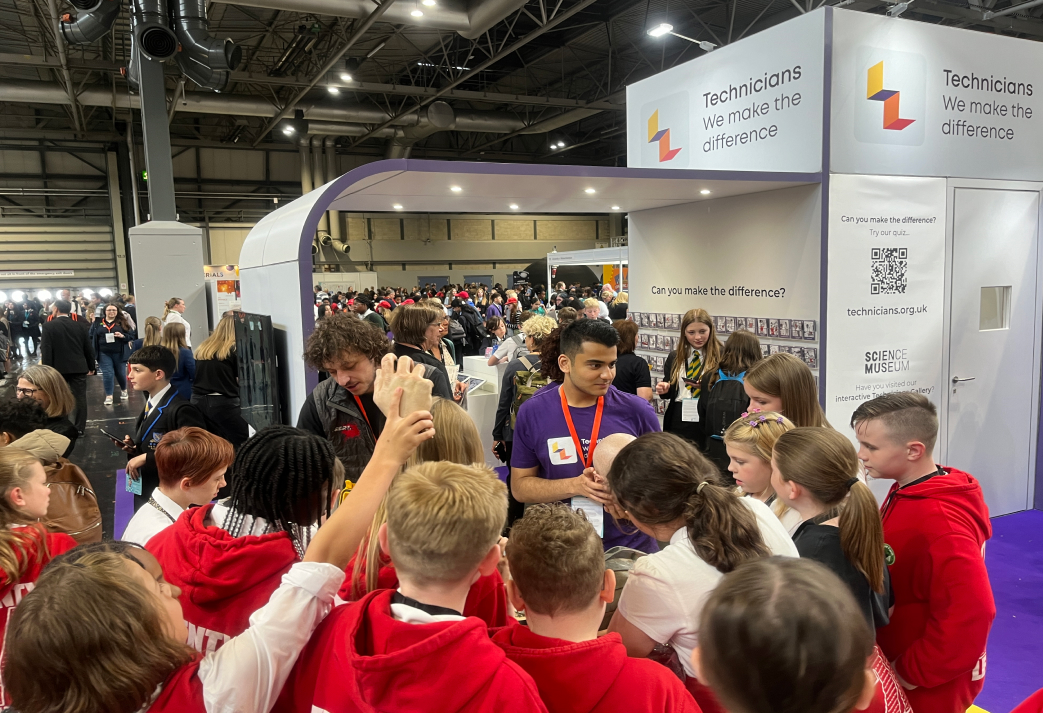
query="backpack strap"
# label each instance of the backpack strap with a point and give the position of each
(523, 360)
(721, 376)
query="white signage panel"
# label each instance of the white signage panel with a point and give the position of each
(886, 290)
(913, 99)
(752, 106)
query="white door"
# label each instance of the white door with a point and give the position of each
(991, 348)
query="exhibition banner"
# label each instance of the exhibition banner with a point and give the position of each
(915, 99)
(886, 284)
(223, 283)
(755, 105)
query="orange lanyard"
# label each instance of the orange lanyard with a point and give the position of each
(365, 415)
(108, 328)
(589, 461)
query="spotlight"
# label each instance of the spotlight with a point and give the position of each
(660, 30)
(561, 144)
(455, 189)
(590, 191)
(397, 206)
(288, 130)
(417, 13)
(345, 77)
(428, 3)
(3, 296)
(705, 192)
(333, 90)
(105, 292)
(514, 206)
(615, 207)
(43, 294)
(17, 295)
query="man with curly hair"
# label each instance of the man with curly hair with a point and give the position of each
(341, 409)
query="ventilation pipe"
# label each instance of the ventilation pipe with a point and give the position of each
(331, 173)
(437, 116)
(94, 19)
(302, 144)
(154, 37)
(317, 177)
(203, 58)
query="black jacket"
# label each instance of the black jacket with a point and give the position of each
(97, 335)
(672, 420)
(440, 377)
(66, 346)
(172, 413)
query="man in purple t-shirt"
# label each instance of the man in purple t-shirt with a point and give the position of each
(546, 465)
(494, 309)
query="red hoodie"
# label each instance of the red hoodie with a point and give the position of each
(943, 600)
(487, 598)
(12, 592)
(1032, 704)
(223, 579)
(362, 659)
(594, 676)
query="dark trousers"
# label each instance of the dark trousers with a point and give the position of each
(515, 509)
(78, 384)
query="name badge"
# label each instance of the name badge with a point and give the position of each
(594, 512)
(690, 410)
(110, 338)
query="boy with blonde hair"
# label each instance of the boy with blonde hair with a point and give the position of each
(560, 581)
(412, 649)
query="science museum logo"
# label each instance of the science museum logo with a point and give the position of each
(894, 87)
(667, 140)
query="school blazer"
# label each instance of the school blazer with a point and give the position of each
(173, 413)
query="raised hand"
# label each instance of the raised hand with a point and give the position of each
(416, 390)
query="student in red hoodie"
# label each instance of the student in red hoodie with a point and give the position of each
(24, 548)
(558, 577)
(936, 524)
(784, 635)
(412, 649)
(105, 632)
(1032, 704)
(456, 441)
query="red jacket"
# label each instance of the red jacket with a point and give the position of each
(594, 676)
(12, 591)
(223, 579)
(1032, 704)
(487, 598)
(182, 691)
(943, 600)
(362, 659)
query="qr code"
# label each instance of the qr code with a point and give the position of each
(889, 266)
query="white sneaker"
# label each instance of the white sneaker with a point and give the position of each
(126, 396)
(108, 401)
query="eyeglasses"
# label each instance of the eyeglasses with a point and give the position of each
(26, 392)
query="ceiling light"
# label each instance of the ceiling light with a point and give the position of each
(397, 206)
(333, 90)
(590, 191)
(417, 13)
(660, 30)
(455, 189)
(43, 294)
(288, 130)
(105, 292)
(3, 296)
(428, 3)
(705, 191)
(17, 295)
(615, 207)
(345, 77)
(514, 206)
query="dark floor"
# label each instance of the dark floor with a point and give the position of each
(95, 453)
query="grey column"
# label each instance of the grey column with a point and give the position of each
(154, 123)
(119, 237)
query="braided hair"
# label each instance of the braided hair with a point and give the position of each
(285, 476)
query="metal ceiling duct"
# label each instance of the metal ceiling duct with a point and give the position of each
(437, 116)
(155, 38)
(203, 58)
(470, 18)
(94, 19)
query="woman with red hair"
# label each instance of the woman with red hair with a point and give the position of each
(192, 464)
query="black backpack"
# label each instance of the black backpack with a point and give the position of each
(726, 402)
(456, 330)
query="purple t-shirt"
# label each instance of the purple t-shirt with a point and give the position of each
(493, 310)
(542, 440)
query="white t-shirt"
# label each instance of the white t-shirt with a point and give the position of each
(151, 519)
(510, 347)
(665, 592)
(177, 317)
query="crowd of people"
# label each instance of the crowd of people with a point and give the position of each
(731, 559)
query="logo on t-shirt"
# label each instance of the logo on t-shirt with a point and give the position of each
(562, 451)
(348, 431)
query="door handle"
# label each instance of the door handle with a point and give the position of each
(957, 379)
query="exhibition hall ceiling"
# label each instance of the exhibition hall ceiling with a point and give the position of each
(503, 80)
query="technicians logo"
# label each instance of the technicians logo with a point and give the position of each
(667, 144)
(562, 451)
(890, 97)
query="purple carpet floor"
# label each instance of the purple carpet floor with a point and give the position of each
(1014, 557)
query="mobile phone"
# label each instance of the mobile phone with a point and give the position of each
(118, 440)
(689, 382)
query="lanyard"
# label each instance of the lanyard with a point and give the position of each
(365, 415)
(107, 327)
(589, 461)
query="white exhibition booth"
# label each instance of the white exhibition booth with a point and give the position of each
(917, 253)
(861, 191)
(600, 257)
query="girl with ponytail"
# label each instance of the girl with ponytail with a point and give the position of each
(669, 490)
(815, 471)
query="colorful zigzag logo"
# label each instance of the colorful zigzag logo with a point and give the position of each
(662, 136)
(875, 91)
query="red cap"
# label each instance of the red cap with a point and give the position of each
(463, 295)
(408, 302)
(385, 304)
(351, 302)
(512, 300)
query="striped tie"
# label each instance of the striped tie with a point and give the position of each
(695, 368)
